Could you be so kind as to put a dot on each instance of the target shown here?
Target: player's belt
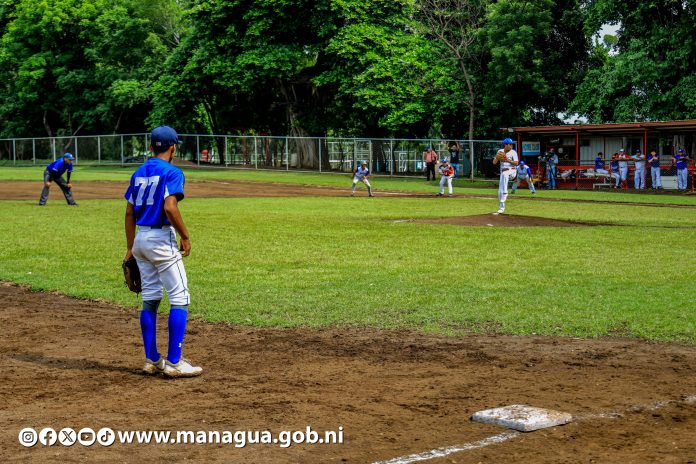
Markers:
(153, 227)
(508, 169)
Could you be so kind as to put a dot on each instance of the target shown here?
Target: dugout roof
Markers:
(617, 129)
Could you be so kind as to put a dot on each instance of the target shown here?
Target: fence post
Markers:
(287, 154)
(98, 150)
(145, 146)
(33, 151)
(198, 150)
(227, 153)
(53, 147)
(471, 158)
(122, 159)
(355, 154)
(391, 158)
(77, 159)
(319, 142)
(256, 153)
(14, 151)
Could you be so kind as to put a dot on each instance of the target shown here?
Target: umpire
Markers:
(54, 173)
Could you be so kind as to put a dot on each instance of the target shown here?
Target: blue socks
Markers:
(177, 329)
(148, 326)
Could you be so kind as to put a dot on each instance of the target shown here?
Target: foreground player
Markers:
(153, 195)
(54, 173)
(507, 157)
(360, 175)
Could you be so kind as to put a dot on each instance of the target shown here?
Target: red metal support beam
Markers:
(577, 159)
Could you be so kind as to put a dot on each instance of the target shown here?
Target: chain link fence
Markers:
(395, 157)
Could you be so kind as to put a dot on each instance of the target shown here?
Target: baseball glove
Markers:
(132, 275)
(500, 156)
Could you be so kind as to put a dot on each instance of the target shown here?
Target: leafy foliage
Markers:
(650, 77)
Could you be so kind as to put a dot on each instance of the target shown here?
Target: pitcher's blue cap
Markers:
(681, 150)
(508, 141)
(164, 137)
(69, 156)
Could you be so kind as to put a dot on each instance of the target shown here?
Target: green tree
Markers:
(538, 55)
(72, 66)
(649, 75)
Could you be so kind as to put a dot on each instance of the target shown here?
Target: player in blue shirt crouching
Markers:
(54, 173)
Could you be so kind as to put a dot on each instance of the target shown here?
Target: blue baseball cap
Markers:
(521, 163)
(69, 156)
(508, 141)
(681, 150)
(638, 150)
(164, 137)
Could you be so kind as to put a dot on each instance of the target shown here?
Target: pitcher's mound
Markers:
(506, 220)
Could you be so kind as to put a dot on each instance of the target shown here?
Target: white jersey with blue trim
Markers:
(524, 171)
(509, 156)
(149, 186)
(361, 172)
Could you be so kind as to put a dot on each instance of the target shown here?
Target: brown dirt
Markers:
(505, 220)
(74, 363)
(93, 190)
(26, 190)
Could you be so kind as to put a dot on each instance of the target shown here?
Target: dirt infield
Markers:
(75, 363)
(25, 190)
(93, 190)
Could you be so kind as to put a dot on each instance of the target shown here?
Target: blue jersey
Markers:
(681, 161)
(614, 165)
(149, 186)
(59, 167)
(599, 163)
(654, 161)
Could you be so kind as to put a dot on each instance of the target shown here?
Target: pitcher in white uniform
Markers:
(507, 157)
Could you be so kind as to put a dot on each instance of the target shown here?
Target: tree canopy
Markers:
(374, 68)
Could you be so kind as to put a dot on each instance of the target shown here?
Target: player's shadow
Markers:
(72, 364)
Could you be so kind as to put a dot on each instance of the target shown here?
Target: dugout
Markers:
(578, 145)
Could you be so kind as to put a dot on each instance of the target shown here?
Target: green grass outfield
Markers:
(319, 261)
(415, 184)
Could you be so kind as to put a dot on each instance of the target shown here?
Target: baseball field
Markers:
(390, 319)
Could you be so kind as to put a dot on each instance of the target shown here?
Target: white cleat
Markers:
(181, 369)
(153, 367)
(499, 212)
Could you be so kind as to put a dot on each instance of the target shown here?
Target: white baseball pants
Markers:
(159, 261)
(505, 177)
(447, 179)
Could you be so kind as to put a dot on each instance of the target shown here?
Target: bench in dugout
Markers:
(601, 179)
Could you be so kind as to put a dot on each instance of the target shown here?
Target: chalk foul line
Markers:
(442, 452)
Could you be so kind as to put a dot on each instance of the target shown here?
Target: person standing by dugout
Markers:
(430, 157)
(655, 174)
(681, 160)
(54, 173)
(639, 174)
(623, 168)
